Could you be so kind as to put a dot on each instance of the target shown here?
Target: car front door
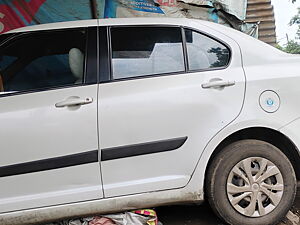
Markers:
(48, 117)
(172, 90)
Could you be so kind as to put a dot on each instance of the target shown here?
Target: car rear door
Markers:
(48, 116)
(170, 90)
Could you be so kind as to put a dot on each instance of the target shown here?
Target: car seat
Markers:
(76, 62)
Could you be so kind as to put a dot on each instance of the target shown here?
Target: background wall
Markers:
(19, 13)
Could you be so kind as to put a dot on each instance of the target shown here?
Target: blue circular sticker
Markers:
(270, 102)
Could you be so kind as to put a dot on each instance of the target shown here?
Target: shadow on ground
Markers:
(188, 215)
(203, 215)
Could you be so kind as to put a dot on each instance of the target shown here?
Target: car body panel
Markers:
(42, 131)
(291, 130)
(175, 176)
(161, 108)
(170, 113)
(54, 26)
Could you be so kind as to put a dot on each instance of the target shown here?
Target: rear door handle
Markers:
(74, 101)
(218, 84)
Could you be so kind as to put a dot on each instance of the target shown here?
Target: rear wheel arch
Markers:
(279, 140)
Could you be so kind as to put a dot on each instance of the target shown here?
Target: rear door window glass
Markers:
(204, 52)
(140, 51)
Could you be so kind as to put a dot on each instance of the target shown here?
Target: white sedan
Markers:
(103, 116)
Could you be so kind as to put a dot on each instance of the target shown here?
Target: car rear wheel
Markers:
(251, 182)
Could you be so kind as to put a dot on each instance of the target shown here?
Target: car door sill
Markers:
(102, 206)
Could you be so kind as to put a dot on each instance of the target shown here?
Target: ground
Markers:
(203, 215)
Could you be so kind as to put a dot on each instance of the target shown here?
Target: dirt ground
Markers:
(203, 215)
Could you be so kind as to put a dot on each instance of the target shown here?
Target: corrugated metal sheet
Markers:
(262, 11)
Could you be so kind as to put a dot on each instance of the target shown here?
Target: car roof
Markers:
(106, 22)
(60, 25)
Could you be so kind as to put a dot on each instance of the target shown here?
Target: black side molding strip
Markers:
(49, 164)
(142, 149)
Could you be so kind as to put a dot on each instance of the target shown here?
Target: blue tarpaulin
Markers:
(19, 13)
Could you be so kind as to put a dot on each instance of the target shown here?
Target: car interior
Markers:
(50, 60)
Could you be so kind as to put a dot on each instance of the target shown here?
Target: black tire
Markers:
(226, 160)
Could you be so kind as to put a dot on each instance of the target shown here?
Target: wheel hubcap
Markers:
(255, 187)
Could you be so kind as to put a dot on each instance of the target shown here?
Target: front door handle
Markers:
(74, 101)
(218, 84)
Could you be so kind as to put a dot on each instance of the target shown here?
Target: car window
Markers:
(204, 52)
(7, 60)
(140, 51)
(40, 60)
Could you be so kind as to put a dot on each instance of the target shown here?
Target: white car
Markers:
(102, 116)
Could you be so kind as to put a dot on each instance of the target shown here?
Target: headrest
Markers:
(76, 61)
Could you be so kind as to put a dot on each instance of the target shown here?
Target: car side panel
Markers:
(34, 129)
(159, 108)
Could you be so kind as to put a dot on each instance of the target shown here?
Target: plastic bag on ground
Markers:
(101, 221)
(139, 217)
